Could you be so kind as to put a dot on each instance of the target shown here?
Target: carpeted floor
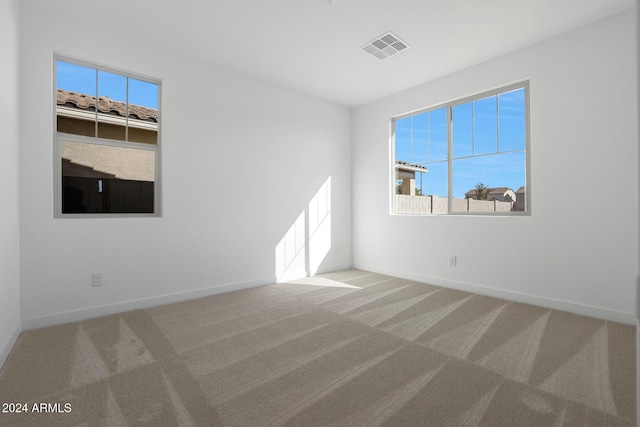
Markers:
(344, 349)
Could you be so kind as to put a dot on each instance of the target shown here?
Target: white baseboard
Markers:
(334, 268)
(581, 309)
(7, 346)
(299, 274)
(104, 310)
(121, 307)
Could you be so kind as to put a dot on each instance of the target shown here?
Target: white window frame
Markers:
(59, 137)
(449, 106)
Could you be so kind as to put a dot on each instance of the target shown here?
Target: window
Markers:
(466, 156)
(107, 142)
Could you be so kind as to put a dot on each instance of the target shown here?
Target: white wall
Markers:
(584, 142)
(241, 160)
(9, 219)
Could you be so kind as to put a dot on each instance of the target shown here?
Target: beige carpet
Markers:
(345, 349)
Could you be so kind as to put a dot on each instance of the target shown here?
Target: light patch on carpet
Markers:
(260, 381)
(379, 412)
(375, 316)
(411, 329)
(330, 388)
(322, 282)
(536, 402)
(129, 352)
(473, 415)
(86, 363)
(115, 417)
(350, 305)
(585, 377)
(200, 368)
(326, 295)
(181, 412)
(461, 340)
(515, 358)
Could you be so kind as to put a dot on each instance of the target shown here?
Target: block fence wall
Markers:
(439, 205)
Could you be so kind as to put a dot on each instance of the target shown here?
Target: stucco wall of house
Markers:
(9, 144)
(241, 160)
(584, 112)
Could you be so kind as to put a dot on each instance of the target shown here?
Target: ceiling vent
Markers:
(385, 46)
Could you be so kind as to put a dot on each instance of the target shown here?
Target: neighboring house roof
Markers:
(521, 190)
(409, 167)
(105, 105)
(472, 193)
(494, 191)
(499, 190)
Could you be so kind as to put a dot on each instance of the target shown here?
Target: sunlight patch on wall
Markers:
(307, 242)
(290, 251)
(319, 226)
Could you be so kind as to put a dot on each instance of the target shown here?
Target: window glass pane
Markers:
(106, 179)
(143, 111)
(436, 181)
(419, 180)
(76, 78)
(462, 122)
(112, 105)
(499, 177)
(102, 173)
(403, 139)
(419, 148)
(430, 194)
(485, 138)
(481, 145)
(75, 99)
(511, 127)
(438, 146)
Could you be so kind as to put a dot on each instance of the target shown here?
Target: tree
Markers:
(399, 190)
(482, 191)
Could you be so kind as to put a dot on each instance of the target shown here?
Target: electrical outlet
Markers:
(96, 279)
(453, 261)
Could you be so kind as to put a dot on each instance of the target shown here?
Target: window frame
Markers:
(59, 137)
(449, 105)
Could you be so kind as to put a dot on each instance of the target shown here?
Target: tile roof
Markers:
(410, 166)
(105, 105)
(499, 190)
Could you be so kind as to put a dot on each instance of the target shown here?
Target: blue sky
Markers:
(488, 144)
(77, 78)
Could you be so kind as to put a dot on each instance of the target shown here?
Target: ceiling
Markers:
(313, 46)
